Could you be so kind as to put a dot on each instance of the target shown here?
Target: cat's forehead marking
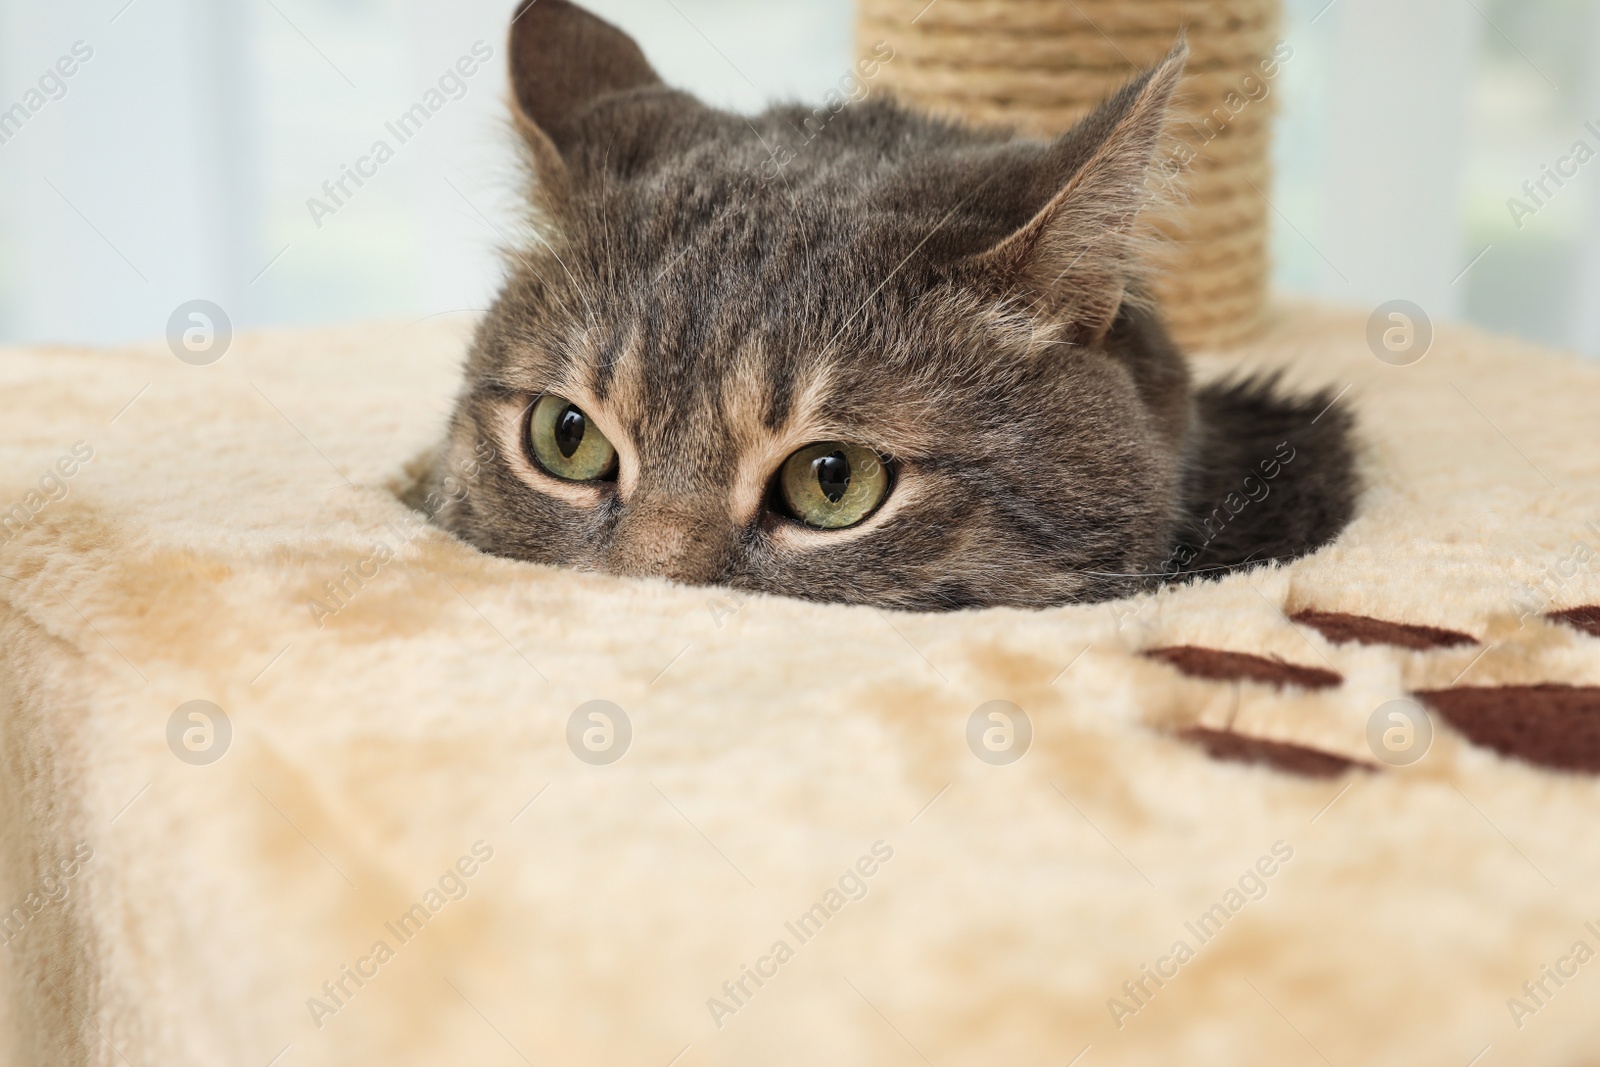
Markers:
(602, 350)
(700, 421)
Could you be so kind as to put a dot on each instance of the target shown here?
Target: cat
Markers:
(913, 366)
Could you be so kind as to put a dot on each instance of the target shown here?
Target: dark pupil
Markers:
(833, 474)
(570, 426)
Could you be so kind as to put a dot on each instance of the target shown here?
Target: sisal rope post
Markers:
(1040, 65)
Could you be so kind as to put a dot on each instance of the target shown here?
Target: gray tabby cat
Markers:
(912, 366)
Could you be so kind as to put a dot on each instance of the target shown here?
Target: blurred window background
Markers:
(1427, 150)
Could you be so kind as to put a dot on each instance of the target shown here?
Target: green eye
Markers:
(567, 444)
(833, 485)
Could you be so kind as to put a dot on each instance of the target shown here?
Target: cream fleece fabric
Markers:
(798, 859)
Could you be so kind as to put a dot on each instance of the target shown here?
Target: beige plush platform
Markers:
(413, 749)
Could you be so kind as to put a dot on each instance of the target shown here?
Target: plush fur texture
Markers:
(774, 741)
(963, 302)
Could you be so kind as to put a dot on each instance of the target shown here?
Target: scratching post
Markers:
(1040, 65)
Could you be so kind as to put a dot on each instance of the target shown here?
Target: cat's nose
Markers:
(674, 539)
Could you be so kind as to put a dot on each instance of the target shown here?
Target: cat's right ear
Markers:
(563, 60)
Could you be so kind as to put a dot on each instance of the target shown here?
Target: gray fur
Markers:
(963, 301)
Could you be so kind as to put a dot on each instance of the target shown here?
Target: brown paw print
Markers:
(1219, 666)
(1586, 619)
(1342, 629)
(1225, 745)
(1230, 747)
(1556, 726)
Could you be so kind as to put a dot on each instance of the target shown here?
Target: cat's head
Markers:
(848, 354)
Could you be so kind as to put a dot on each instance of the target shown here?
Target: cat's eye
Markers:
(567, 443)
(832, 485)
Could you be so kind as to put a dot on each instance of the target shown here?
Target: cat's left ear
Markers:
(1076, 255)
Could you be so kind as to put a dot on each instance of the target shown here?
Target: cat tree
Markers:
(1196, 729)
(1040, 65)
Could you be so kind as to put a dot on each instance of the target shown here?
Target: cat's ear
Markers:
(563, 59)
(1076, 256)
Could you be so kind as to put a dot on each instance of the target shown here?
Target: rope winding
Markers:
(1039, 66)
